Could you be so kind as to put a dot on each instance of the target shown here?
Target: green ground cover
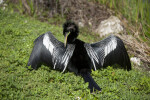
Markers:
(17, 34)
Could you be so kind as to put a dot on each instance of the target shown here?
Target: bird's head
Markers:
(70, 32)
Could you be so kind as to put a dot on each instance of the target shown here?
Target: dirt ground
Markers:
(88, 13)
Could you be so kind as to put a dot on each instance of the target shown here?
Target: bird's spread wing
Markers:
(107, 52)
(49, 50)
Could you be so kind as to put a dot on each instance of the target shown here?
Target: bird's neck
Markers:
(72, 37)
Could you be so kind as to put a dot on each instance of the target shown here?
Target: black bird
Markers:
(78, 56)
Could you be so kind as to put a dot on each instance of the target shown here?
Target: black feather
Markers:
(92, 84)
(78, 56)
(108, 52)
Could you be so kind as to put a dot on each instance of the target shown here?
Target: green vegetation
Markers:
(137, 12)
(17, 34)
(134, 13)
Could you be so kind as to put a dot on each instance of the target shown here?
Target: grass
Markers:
(137, 13)
(17, 34)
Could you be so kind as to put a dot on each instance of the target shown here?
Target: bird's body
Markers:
(83, 61)
(78, 56)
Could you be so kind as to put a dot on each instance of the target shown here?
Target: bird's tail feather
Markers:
(92, 84)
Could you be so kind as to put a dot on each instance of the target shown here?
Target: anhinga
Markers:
(78, 56)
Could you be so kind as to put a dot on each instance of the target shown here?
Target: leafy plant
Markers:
(17, 34)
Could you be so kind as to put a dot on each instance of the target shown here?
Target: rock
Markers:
(1, 1)
(136, 60)
(81, 24)
(112, 25)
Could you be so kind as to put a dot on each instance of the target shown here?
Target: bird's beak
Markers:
(66, 36)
